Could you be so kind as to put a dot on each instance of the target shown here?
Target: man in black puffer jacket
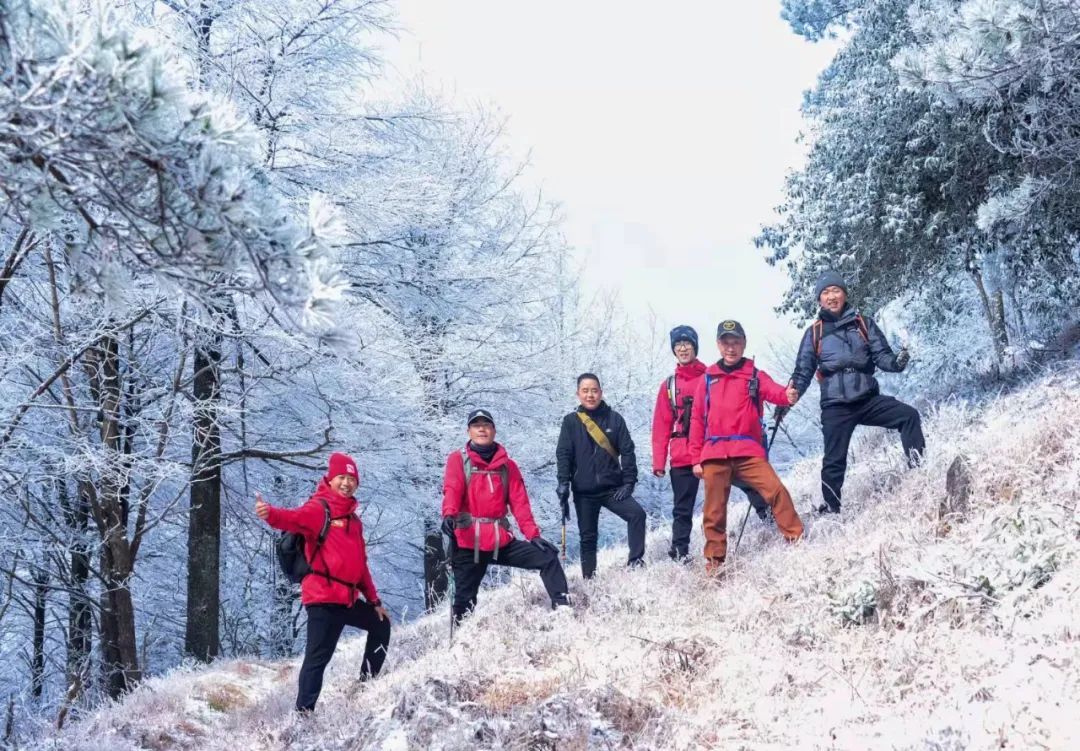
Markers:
(595, 458)
(843, 349)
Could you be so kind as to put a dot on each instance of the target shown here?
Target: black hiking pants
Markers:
(684, 488)
(324, 626)
(588, 516)
(838, 423)
(517, 554)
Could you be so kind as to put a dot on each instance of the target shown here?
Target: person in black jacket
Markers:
(843, 349)
(595, 457)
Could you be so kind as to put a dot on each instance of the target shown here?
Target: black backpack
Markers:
(290, 550)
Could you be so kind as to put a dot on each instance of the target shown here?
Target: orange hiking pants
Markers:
(758, 474)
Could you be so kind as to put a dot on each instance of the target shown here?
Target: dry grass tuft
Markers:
(226, 697)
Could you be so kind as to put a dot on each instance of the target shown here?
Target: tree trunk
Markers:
(993, 309)
(201, 635)
(436, 582)
(37, 662)
(80, 620)
(119, 645)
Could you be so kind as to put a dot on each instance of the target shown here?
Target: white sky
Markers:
(664, 130)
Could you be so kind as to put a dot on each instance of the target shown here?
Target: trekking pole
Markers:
(450, 584)
(739, 538)
(778, 416)
(450, 596)
(564, 539)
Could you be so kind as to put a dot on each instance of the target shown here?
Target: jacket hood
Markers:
(747, 369)
(500, 458)
(339, 504)
(693, 369)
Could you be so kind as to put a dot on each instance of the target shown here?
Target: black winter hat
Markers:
(684, 334)
(829, 279)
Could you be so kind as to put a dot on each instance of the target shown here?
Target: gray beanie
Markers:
(828, 279)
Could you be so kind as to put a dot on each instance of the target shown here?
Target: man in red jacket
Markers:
(339, 575)
(480, 485)
(671, 433)
(725, 440)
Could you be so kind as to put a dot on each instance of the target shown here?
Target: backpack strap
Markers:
(466, 519)
(503, 472)
(818, 330)
(754, 389)
(708, 389)
(671, 394)
(864, 330)
(323, 532)
(597, 434)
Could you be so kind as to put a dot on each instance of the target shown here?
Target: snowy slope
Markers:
(891, 630)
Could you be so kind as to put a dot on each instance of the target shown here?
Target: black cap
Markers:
(480, 414)
(730, 328)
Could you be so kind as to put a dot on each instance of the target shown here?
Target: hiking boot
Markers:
(636, 563)
(827, 508)
(766, 517)
(714, 568)
(680, 556)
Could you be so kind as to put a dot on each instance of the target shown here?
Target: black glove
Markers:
(902, 358)
(624, 492)
(563, 491)
(544, 545)
(448, 526)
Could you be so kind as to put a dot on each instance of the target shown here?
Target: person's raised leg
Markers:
(631, 512)
(761, 476)
(887, 412)
(526, 555)
(362, 615)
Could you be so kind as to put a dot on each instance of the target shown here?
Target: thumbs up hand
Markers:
(262, 508)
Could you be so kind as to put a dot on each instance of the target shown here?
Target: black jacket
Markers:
(589, 469)
(847, 360)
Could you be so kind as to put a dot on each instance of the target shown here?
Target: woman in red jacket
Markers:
(339, 575)
(726, 440)
(480, 486)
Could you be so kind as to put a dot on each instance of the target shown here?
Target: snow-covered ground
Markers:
(891, 629)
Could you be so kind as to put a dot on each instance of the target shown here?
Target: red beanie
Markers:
(342, 464)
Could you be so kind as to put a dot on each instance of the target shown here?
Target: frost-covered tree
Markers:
(1016, 65)
(894, 192)
(140, 195)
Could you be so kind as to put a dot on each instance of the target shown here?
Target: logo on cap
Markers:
(350, 470)
(729, 325)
